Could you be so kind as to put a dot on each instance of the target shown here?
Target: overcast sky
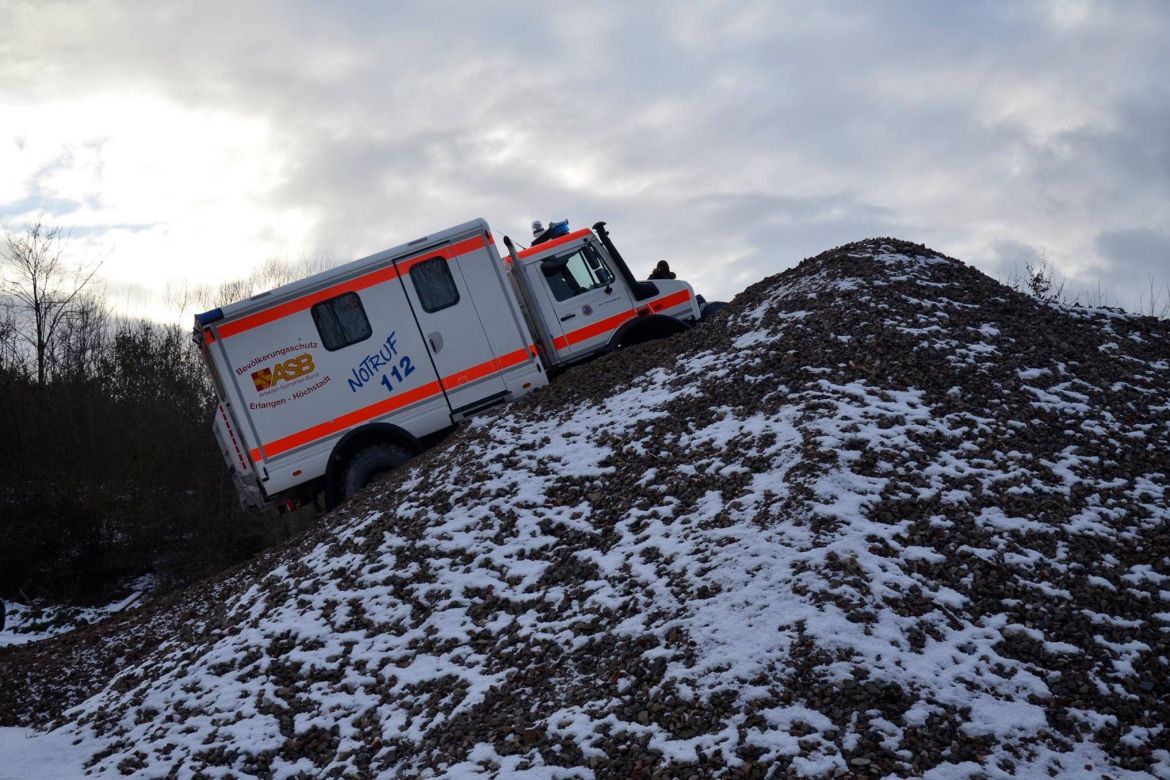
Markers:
(189, 142)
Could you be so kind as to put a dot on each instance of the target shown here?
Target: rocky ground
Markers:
(885, 517)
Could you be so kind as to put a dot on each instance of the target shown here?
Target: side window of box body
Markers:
(341, 321)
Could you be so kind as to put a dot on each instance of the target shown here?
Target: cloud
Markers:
(731, 140)
(1138, 251)
(1012, 259)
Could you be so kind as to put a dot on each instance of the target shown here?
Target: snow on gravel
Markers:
(31, 623)
(885, 518)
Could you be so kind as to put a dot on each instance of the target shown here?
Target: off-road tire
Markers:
(368, 464)
(659, 328)
(711, 309)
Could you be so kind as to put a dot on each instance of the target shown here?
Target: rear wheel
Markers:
(368, 464)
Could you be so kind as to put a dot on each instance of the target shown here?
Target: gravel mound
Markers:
(882, 517)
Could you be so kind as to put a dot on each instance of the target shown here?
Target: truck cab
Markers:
(583, 299)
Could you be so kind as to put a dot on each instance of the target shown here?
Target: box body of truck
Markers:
(403, 343)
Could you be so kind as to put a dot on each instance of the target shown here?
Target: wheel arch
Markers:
(646, 328)
(359, 438)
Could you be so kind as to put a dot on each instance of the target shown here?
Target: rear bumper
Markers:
(251, 497)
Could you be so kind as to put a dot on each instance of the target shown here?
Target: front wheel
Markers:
(710, 309)
(368, 464)
(643, 329)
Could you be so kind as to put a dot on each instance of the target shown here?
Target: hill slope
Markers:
(885, 517)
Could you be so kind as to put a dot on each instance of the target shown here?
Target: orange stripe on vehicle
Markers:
(300, 304)
(517, 357)
(390, 404)
(453, 381)
(596, 329)
(666, 302)
(320, 431)
(493, 366)
(532, 250)
(612, 323)
(466, 246)
(360, 283)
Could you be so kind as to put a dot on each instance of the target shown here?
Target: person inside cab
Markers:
(662, 271)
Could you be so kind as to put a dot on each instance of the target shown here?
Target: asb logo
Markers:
(267, 378)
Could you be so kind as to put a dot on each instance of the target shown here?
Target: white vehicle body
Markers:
(574, 318)
(403, 344)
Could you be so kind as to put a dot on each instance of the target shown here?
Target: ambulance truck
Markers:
(328, 382)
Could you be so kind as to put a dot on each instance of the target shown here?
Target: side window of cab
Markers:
(576, 272)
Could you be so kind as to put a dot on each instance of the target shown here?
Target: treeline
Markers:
(108, 468)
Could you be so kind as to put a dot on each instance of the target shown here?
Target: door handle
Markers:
(568, 317)
(436, 341)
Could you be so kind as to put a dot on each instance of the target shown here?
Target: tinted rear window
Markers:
(434, 284)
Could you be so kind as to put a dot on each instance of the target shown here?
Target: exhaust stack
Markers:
(641, 290)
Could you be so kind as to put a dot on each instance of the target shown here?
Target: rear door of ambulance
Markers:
(230, 427)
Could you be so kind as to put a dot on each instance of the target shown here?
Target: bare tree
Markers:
(1095, 294)
(1040, 280)
(272, 273)
(1153, 303)
(9, 342)
(41, 286)
(83, 338)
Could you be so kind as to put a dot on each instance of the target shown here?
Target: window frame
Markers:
(326, 305)
(584, 252)
(450, 277)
